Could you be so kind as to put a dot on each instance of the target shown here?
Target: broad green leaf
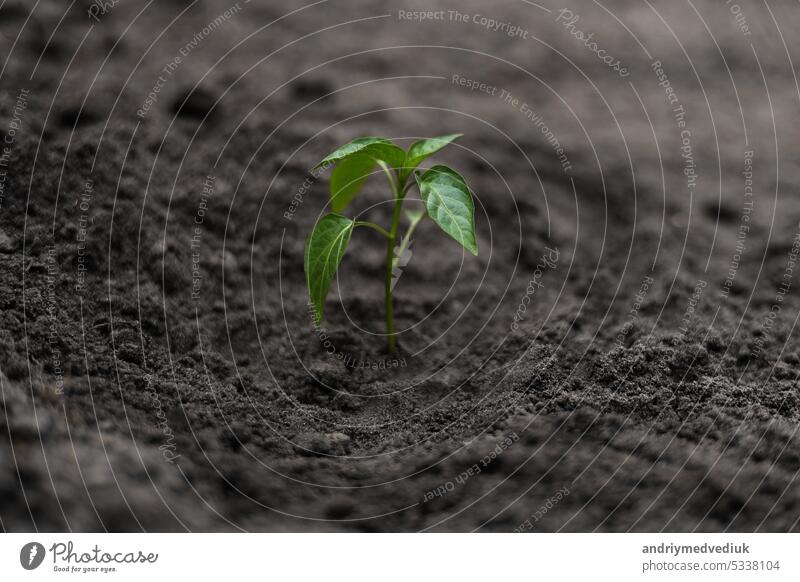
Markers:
(373, 147)
(324, 251)
(424, 148)
(449, 204)
(347, 178)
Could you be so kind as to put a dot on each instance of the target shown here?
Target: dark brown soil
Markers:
(158, 364)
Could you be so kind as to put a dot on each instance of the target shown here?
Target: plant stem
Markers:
(374, 226)
(407, 237)
(389, 176)
(399, 192)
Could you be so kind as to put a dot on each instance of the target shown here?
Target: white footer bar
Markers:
(401, 557)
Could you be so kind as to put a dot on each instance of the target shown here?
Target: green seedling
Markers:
(445, 195)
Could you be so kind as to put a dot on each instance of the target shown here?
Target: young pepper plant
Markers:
(446, 197)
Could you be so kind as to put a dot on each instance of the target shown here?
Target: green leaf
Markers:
(324, 251)
(425, 148)
(449, 204)
(347, 179)
(376, 148)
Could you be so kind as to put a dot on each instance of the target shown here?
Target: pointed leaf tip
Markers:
(424, 148)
